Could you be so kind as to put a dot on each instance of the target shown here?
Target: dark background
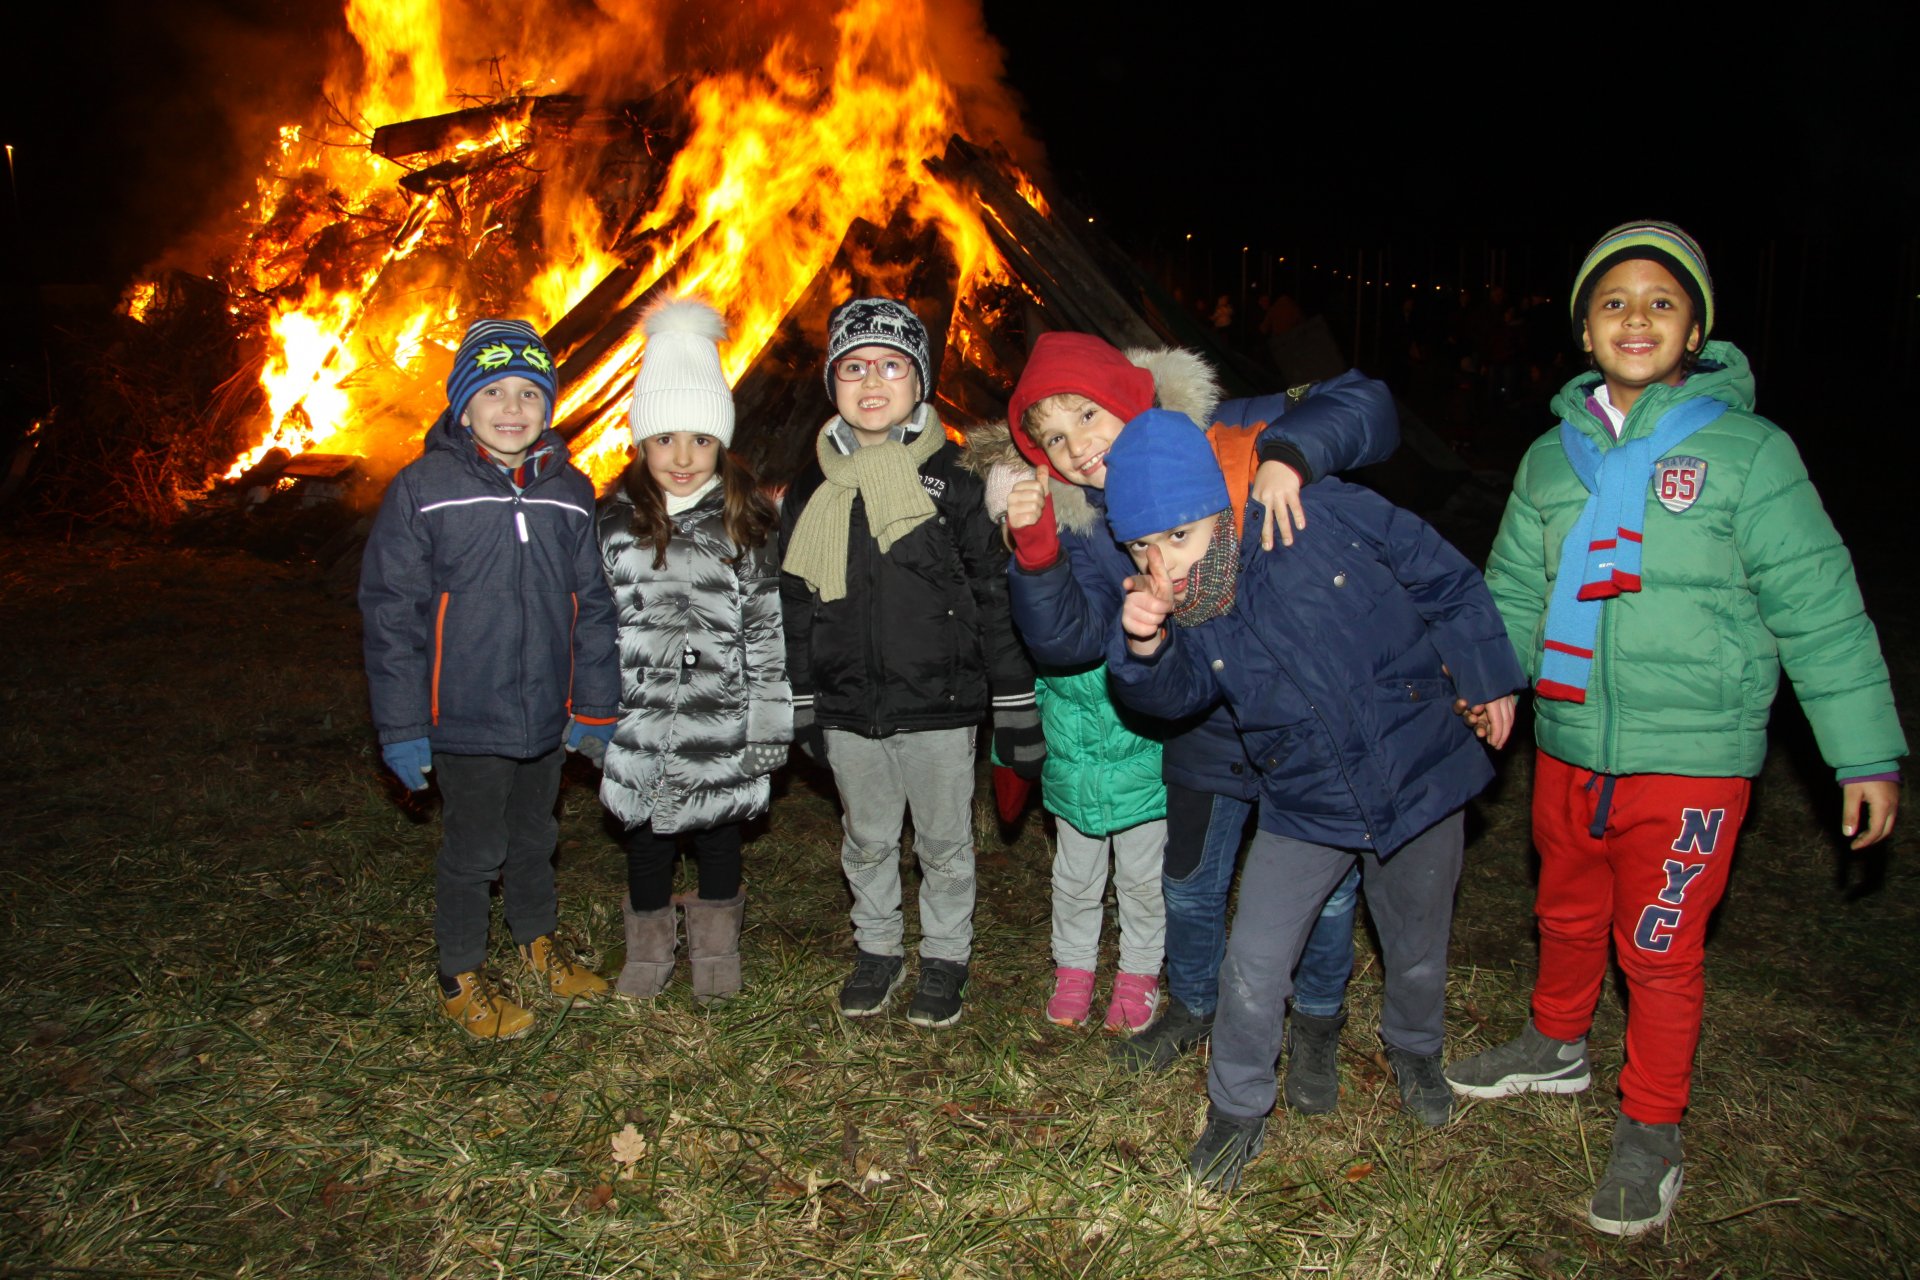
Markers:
(1467, 152)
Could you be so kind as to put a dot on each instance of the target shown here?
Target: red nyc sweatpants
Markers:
(1643, 858)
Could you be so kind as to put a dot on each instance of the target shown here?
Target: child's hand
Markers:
(1149, 600)
(1882, 802)
(1276, 487)
(411, 762)
(1030, 523)
(1490, 721)
(1027, 500)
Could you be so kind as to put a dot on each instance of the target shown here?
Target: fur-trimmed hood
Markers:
(1002, 456)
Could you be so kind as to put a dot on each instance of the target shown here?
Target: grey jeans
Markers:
(1409, 896)
(497, 822)
(880, 780)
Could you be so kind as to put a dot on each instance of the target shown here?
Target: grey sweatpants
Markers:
(497, 822)
(1284, 884)
(880, 780)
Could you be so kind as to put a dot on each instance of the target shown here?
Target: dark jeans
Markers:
(497, 823)
(1203, 846)
(651, 857)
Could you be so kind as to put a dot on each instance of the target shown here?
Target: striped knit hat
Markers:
(1660, 242)
(496, 349)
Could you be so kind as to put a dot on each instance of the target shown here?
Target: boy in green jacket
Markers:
(1663, 556)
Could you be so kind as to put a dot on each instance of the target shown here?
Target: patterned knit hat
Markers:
(1660, 242)
(496, 349)
(1161, 474)
(1082, 365)
(879, 322)
(680, 386)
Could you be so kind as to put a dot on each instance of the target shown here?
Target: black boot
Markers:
(1313, 1063)
(1156, 1048)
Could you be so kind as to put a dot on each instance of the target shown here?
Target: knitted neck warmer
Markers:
(677, 504)
(1210, 583)
(886, 478)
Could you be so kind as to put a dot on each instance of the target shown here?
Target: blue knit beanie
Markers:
(1161, 474)
(496, 349)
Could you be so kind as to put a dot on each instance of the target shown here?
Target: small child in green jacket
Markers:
(1662, 558)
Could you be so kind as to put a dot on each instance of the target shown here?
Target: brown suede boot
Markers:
(565, 976)
(651, 938)
(713, 944)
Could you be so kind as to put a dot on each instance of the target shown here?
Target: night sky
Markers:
(1321, 135)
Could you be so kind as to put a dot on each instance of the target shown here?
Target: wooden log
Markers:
(590, 361)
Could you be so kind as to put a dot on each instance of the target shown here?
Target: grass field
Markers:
(220, 1054)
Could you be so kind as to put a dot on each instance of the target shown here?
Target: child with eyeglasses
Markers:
(899, 643)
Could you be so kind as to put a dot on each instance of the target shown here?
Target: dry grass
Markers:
(221, 1055)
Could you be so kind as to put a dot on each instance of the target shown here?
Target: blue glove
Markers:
(590, 740)
(411, 762)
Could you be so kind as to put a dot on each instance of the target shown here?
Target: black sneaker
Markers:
(937, 1002)
(1313, 1063)
(1227, 1145)
(871, 985)
(1178, 1031)
(1423, 1088)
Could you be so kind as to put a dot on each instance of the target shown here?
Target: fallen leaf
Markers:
(601, 1196)
(628, 1146)
(1360, 1171)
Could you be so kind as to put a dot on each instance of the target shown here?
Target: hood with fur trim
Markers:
(1182, 381)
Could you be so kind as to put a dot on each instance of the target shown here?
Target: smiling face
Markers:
(681, 461)
(874, 403)
(507, 417)
(1075, 434)
(1639, 328)
(1181, 548)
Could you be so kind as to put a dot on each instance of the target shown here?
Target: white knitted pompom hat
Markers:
(680, 386)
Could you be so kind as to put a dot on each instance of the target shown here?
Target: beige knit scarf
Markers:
(886, 477)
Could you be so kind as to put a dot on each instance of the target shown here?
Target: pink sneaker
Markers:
(1072, 1001)
(1135, 998)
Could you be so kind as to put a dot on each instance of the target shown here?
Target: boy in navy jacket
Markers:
(489, 636)
(1344, 664)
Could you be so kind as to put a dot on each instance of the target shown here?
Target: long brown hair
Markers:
(747, 515)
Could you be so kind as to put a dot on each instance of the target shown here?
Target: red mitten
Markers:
(1010, 792)
(1038, 545)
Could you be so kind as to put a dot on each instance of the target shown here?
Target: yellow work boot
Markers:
(564, 976)
(482, 1011)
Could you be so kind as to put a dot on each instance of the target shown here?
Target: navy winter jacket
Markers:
(1330, 662)
(1066, 612)
(487, 619)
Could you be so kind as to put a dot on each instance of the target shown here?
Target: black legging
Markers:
(650, 863)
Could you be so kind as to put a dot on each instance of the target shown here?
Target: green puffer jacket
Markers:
(1746, 577)
(1102, 774)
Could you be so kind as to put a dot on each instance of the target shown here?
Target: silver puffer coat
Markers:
(703, 672)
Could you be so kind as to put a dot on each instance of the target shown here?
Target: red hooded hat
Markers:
(1082, 365)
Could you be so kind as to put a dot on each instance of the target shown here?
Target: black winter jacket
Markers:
(923, 638)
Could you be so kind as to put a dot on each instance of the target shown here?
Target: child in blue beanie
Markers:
(1348, 665)
(489, 635)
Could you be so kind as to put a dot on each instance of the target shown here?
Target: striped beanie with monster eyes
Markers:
(496, 349)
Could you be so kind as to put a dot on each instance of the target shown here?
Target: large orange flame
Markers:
(781, 158)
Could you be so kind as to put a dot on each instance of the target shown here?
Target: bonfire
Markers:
(776, 163)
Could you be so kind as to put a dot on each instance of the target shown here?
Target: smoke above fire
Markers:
(464, 159)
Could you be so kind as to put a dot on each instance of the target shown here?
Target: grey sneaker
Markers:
(871, 985)
(1155, 1048)
(1313, 1062)
(1643, 1179)
(1227, 1145)
(937, 1002)
(1529, 1063)
(1423, 1089)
